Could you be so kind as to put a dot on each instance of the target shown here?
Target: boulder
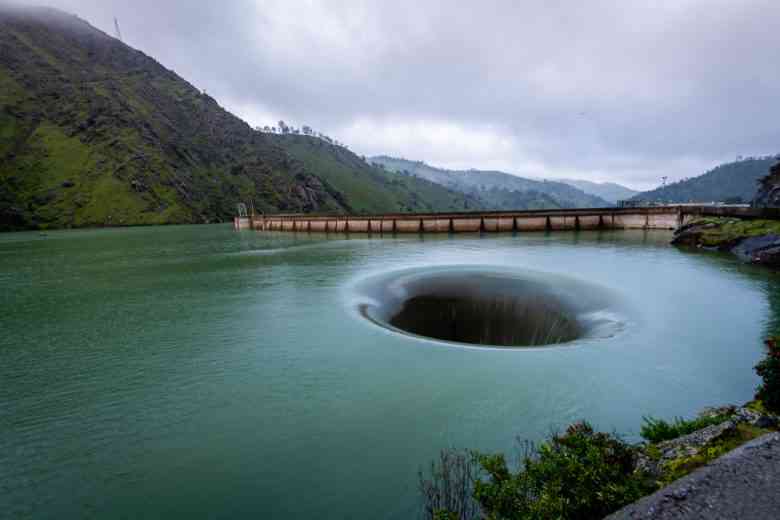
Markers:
(764, 249)
(750, 249)
(755, 418)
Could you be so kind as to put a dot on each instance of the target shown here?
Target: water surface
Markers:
(194, 371)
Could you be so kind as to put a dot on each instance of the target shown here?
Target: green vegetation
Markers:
(584, 474)
(658, 430)
(95, 133)
(769, 370)
(579, 474)
(734, 181)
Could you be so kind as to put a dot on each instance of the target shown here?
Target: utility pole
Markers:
(118, 32)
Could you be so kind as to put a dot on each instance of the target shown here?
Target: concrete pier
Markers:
(656, 217)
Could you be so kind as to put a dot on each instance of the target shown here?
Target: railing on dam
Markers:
(656, 217)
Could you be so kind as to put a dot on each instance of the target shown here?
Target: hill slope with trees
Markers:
(95, 133)
(367, 187)
(609, 191)
(492, 186)
(730, 182)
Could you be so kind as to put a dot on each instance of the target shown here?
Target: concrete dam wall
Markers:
(655, 217)
(666, 217)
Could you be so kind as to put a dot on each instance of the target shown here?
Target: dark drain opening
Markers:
(522, 320)
(490, 306)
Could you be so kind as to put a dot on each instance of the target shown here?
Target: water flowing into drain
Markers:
(486, 306)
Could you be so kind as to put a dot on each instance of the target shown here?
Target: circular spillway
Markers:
(490, 307)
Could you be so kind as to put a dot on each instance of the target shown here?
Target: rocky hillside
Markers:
(535, 193)
(731, 182)
(94, 132)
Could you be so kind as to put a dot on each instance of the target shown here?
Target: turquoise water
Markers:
(180, 372)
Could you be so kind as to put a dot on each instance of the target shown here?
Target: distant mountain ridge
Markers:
(609, 191)
(495, 187)
(729, 182)
(96, 133)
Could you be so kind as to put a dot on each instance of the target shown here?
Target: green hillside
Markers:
(96, 133)
(730, 182)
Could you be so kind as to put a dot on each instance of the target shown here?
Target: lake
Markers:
(195, 371)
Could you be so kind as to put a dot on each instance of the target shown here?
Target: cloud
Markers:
(627, 91)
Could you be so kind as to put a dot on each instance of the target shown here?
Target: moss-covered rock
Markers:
(671, 459)
(755, 241)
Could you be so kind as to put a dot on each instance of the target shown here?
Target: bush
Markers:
(448, 490)
(581, 474)
(769, 370)
(657, 430)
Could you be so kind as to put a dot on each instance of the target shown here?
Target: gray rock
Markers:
(690, 444)
(752, 249)
(766, 421)
(755, 418)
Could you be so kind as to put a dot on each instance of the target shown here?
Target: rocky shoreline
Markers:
(752, 241)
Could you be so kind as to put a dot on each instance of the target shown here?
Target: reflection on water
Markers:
(195, 371)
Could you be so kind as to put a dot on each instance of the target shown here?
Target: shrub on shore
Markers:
(659, 430)
(577, 474)
(769, 370)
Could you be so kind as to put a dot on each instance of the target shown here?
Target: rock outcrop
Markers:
(752, 241)
(658, 459)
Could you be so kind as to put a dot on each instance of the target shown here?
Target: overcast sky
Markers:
(596, 90)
